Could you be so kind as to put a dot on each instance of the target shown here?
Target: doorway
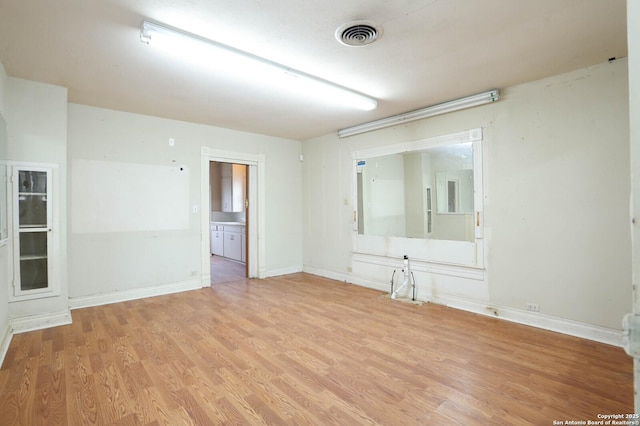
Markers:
(229, 224)
(255, 219)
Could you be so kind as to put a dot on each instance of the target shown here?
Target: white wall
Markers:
(119, 261)
(559, 195)
(3, 83)
(37, 132)
(283, 201)
(556, 185)
(4, 252)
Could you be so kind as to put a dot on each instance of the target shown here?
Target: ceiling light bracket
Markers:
(443, 108)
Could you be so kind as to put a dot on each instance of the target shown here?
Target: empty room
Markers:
(393, 212)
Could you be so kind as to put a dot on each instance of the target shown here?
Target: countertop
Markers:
(229, 223)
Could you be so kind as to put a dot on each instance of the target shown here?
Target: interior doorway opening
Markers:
(255, 219)
(229, 221)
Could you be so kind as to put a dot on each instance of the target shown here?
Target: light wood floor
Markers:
(303, 350)
(224, 270)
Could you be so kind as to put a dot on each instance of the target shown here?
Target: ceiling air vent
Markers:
(358, 33)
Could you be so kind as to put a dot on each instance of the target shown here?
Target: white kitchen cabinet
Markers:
(233, 242)
(233, 178)
(215, 186)
(244, 245)
(35, 236)
(217, 240)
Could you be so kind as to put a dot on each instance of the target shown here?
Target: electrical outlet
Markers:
(533, 307)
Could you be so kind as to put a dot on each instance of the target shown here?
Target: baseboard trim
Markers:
(138, 293)
(40, 321)
(338, 276)
(533, 319)
(283, 271)
(205, 280)
(375, 285)
(5, 342)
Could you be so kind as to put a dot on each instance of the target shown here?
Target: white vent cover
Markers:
(358, 33)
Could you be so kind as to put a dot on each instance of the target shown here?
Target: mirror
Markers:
(396, 193)
(3, 182)
(454, 189)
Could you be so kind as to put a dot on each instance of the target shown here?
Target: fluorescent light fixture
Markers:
(238, 62)
(456, 105)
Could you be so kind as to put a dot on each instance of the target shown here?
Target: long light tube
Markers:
(239, 62)
(443, 108)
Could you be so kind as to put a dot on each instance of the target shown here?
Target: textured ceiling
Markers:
(431, 51)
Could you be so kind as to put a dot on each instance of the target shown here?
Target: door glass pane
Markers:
(33, 273)
(33, 260)
(33, 244)
(33, 211)
(32, 188)
(32, 182)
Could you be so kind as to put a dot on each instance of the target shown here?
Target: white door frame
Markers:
(632, 321)
(256, 219)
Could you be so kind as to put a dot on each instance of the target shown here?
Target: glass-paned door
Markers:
(32, 212)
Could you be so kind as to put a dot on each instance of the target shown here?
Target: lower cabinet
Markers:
(217, 240)
(244, 246)
(233, 242)
(228, 241)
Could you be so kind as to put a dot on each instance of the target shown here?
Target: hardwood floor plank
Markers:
(111, 398)
(10, 411)
(301, 350)
(264, 389)
(50, 401)
(193, 409)
(81, 395)
(161, 410)
(264, 410)
(231, 413)
(304, 399)
(206, 396)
